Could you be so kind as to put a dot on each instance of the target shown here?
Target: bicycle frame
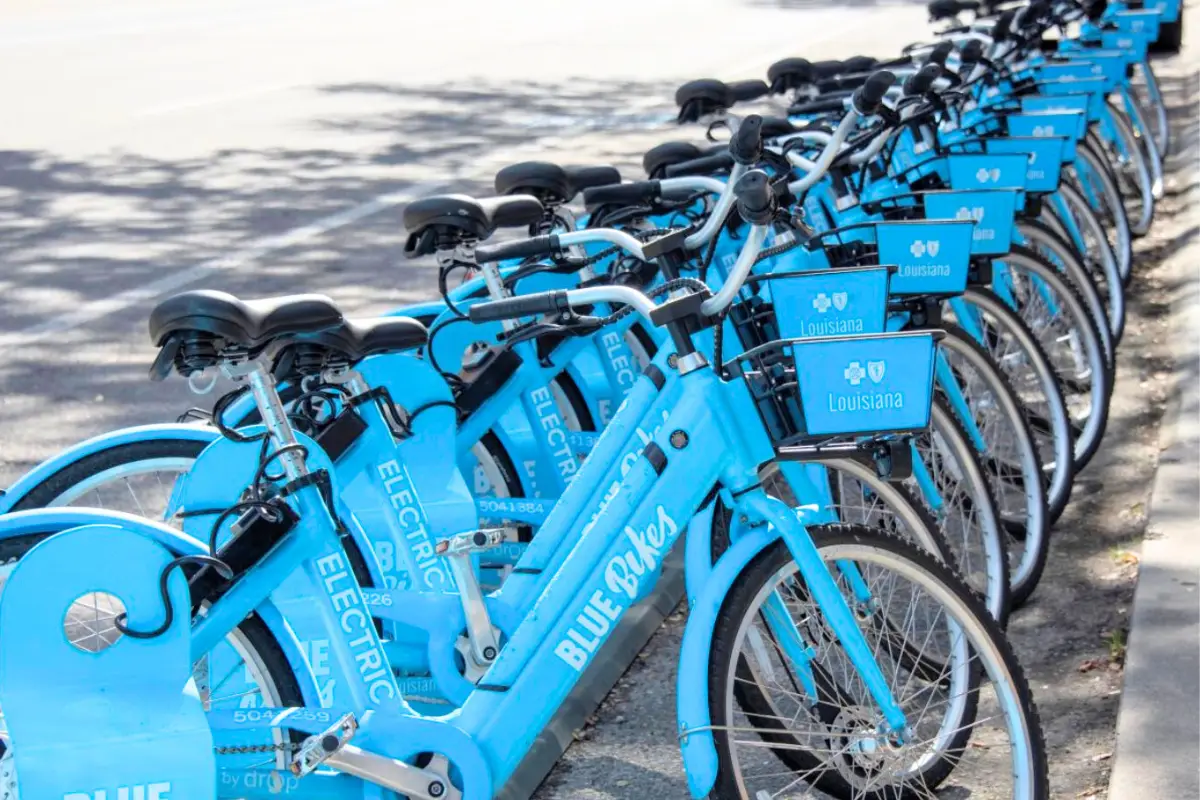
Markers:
(642, 507)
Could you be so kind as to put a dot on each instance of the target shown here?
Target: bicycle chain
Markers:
(233, 750)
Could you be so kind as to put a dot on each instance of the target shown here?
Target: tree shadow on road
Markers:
(75, 231)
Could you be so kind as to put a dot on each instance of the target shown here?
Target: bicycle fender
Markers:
(142, 433)
(42, 520)
(697, 552)
(695, 735)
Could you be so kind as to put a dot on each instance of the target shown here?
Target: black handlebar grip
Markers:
(706, 165)
(745, 91)
(1001, 29)
(755, 197)
(622, 194)
(746, 144)
(823, 106)
(524, 306)
(520, 248)
(922, 80)
(870, 95)
(971, 53)
(941, 52)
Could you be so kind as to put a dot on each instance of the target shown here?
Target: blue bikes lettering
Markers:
(624, 576)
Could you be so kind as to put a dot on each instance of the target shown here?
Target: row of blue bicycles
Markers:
(846, 359)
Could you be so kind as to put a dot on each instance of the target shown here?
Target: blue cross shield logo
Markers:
(854, 373)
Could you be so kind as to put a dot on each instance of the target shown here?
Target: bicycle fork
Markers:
(823, 588)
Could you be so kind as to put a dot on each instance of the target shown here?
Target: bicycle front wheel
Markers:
(1052, 309)
(1015, 350)
(1104, 293)
(1007, 451)
(784, 729)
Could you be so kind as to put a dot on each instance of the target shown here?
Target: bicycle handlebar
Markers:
(521, 248)
(705, 165)
(527, 305)
(746, 145)
(921, 81)
(866, 99)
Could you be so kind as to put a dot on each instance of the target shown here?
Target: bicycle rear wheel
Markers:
(248, 669)
(135, 477)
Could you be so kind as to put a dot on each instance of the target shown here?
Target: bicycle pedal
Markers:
(316, 750)
(471, 542)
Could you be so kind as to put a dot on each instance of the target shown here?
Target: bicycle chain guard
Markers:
(92, 713)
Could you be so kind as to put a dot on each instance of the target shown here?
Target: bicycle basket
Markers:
(932, 257)
(993, 211)
(816, 390)
(829, 302)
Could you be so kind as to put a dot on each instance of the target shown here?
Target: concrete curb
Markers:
(1158, 726)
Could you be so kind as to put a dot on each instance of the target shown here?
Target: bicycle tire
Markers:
(1032, 533)
(739, 608)
(53, 487)
(1112, 208)
(946, 436)
(1048, 416)
(1088, 422)
(905, 507)
(1139, 186)
(1106, 304)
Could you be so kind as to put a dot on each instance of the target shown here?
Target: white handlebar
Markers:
(832, 148)
(746, 258)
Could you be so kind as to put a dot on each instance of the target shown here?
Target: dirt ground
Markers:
(1071, 635)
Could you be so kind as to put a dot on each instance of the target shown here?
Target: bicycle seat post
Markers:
(274, 416)
(563, 220)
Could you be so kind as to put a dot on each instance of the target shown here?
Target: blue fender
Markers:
(697, 552)
(142, 433)
(698, 749)
(46, 520)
